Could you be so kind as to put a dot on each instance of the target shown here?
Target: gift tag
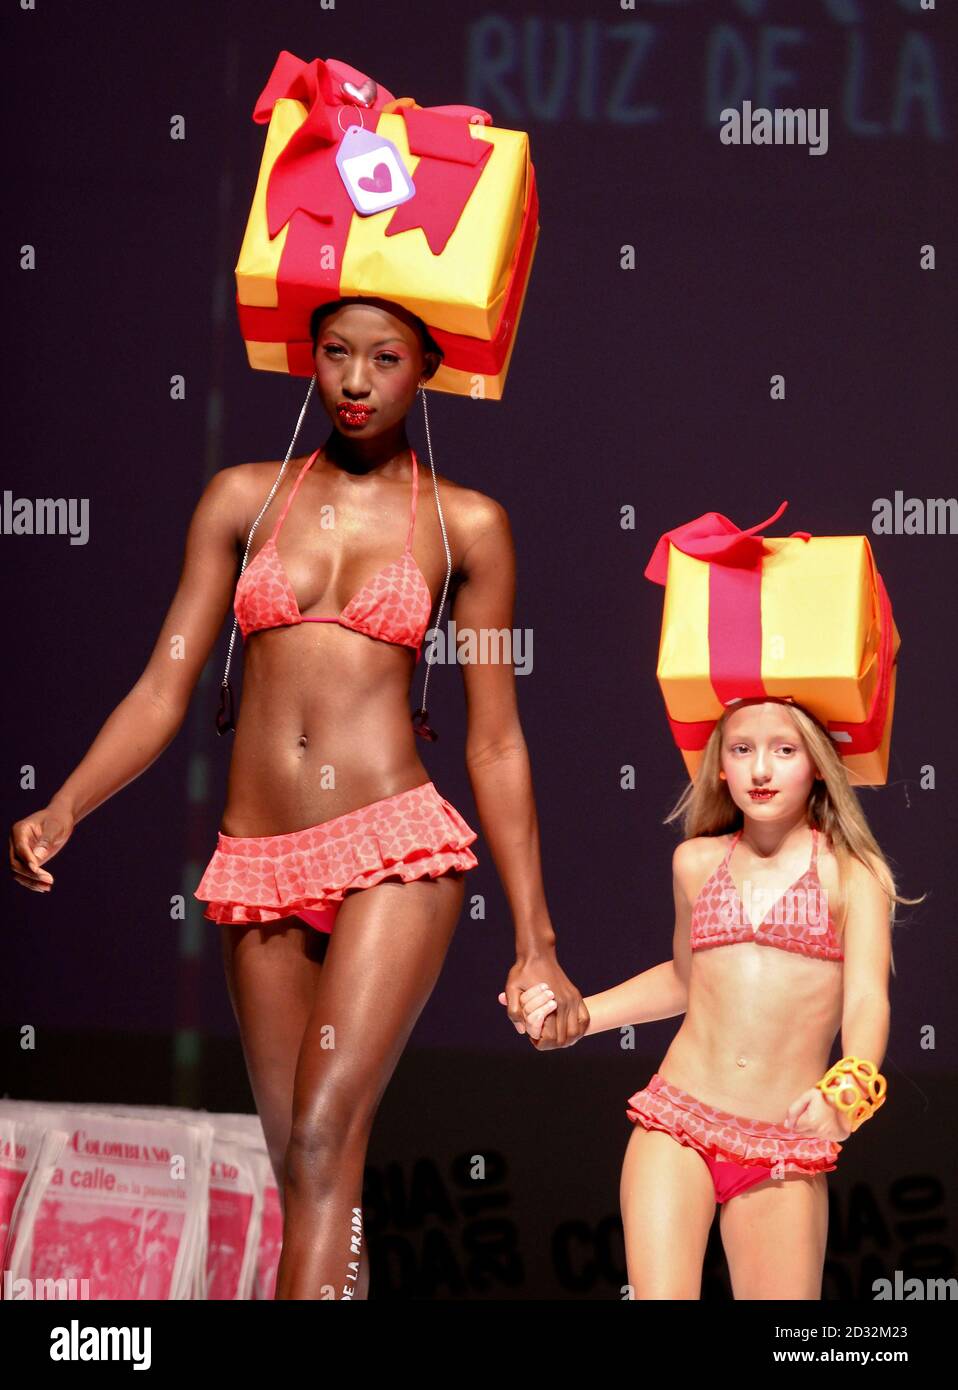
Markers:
(372, 169)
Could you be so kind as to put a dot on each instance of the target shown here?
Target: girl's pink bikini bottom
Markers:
(739, 1151)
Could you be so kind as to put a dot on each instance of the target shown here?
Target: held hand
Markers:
(33, 842)
(812, 1115)
(536, 1004)
(558, 1026)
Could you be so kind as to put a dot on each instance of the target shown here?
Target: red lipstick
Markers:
(762, 794)
(353, 413)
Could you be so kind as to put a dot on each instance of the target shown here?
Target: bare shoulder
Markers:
(860, 873)
(862, 876)
(242, 480)
(254, 480)
(244, 487)
(696, 859)
(221, 500)
(469, 513)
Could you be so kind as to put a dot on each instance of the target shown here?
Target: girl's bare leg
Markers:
(668, 1205)
(774, 1235)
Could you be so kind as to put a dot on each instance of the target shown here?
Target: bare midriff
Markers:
(324, 727)
(758, 1028)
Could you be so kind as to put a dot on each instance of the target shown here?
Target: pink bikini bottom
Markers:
(739, 1151)
(307, 873)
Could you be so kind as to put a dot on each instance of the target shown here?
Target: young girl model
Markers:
(778, 855)
(330, 813)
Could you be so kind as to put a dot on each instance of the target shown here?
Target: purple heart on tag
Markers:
(373, 172)
(381, 181)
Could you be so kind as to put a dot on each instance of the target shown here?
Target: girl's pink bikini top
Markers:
(393, 606)
(800, 920)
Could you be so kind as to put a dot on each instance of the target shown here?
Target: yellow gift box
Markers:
(461, 260)
(801, 617)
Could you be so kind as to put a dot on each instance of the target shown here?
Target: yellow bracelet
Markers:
(855, 1086)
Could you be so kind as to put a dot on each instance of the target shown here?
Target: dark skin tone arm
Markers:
(497, 760)
(148, 718)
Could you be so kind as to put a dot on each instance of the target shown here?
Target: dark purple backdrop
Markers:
(647, 387)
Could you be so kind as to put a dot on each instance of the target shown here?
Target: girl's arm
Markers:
(656, 993)
(662, 991)
(498, 764)
(148, 718)
(865, 1006)
(866, 1010)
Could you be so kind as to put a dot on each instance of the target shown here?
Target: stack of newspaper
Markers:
(135, 1202)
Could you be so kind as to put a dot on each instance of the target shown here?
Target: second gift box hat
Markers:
(798, 617)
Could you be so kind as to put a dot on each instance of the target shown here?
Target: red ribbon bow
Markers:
(713, 537)
(304, 177)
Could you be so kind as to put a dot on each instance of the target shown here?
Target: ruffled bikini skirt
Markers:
(726, 1138)
(307, 873)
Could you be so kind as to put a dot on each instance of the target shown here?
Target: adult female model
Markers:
(330, 811)
(737, 1088)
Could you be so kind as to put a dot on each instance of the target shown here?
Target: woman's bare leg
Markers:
(774, 1235)
(385, 956)
(273, 970)
(668, 1205)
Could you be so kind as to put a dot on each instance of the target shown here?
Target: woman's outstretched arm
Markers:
(497, 760)
(148, 718)
(659, 992)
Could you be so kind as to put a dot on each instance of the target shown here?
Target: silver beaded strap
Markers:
(445, 541)
(272, 494)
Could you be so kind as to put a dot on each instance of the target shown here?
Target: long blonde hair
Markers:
(706, 807)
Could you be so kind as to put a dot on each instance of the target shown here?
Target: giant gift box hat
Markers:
(802, 617)
(453, 239)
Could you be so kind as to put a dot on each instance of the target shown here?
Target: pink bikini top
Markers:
(800, 920)
(393, 606)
